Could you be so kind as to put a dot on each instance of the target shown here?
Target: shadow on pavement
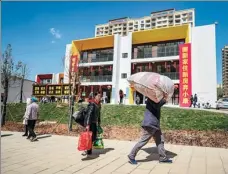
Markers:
(154, 156)
(6, 135)
(97, 153)
(43, 136)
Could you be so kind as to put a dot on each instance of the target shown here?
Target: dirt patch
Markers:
(184, 137)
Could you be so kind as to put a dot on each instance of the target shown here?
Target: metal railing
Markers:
(106, 78)
(100, 59)
(167, 51)
(171, 75)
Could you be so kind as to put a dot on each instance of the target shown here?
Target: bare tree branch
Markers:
(9, 73)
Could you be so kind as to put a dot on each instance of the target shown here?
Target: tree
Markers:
(23, 74)
(219, 92)
(9, 75)
(74, 79)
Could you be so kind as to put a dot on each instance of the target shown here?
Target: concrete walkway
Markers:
(59, 154)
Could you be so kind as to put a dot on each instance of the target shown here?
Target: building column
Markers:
(131, 98)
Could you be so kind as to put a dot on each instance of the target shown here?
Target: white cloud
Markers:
(55, 33)
(52, 41)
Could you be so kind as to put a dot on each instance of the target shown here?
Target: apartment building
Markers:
(179, 52)
(45, 79)
(225, 70)
(159, 19)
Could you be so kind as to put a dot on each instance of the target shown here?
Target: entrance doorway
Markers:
(175, 97)
(142, 98)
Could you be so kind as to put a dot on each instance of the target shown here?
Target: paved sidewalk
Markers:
(58, 154)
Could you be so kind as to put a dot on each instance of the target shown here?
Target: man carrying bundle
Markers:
(151, 128)
(158, 89)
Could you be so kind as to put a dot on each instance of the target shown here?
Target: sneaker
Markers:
(165, 160)
(24, 135)
(84, 153)
(132, 161)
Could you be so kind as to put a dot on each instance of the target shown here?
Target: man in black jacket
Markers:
(151, 128)
(92, 118)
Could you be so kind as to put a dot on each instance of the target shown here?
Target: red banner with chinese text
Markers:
(74, 63)
(185, 75)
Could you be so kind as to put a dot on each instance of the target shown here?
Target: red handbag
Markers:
(85, 141)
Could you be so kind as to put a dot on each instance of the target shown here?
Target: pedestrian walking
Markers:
(191, 100)
(92, 118)
(31, 116)
(137, 100)
(25, 121)
(195, 100)
(121, 94)
(151, 128)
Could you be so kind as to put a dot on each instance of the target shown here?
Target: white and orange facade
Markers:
(185, 53)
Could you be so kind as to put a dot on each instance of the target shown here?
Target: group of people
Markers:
(30, 118)
(193, 100)
(150, 125)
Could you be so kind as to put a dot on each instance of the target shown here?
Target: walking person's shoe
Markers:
(84, 153)
(132, 161)
(24, 135)
(165, 160)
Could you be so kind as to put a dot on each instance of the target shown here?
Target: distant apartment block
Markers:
(159, 19)
(225, 70)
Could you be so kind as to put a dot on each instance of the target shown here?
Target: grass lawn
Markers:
(123, 115)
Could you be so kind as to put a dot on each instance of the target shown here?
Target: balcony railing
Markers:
(106, 78)
(159, 52)
(171, 75)
(100, 59)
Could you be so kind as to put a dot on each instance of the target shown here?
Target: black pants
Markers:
(121, 100)
(26, 129)
(93, 128)
(31, 126)
(194, 104)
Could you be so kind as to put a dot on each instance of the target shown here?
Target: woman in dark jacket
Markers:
(92, 119)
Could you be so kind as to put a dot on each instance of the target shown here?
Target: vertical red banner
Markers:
(185, 87)
(74, 63)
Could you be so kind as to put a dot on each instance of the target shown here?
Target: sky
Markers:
(39, 31)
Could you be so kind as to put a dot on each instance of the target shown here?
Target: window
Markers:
(124, 75)
(124, 55)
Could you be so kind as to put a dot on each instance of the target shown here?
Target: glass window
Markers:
(156, 49)
(124, 75)
(124, 55)
(140, 52)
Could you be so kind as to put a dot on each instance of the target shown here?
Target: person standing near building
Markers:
(31, 116)
(25, 121)
(151, 128)
(121, 94)
(92, 118)
(137, 100)
(195, 100)
(191, 100)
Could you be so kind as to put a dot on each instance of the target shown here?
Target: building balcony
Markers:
(171, 75)
(156, 50)
(94, 60)
(158, 54)
(105, 78)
